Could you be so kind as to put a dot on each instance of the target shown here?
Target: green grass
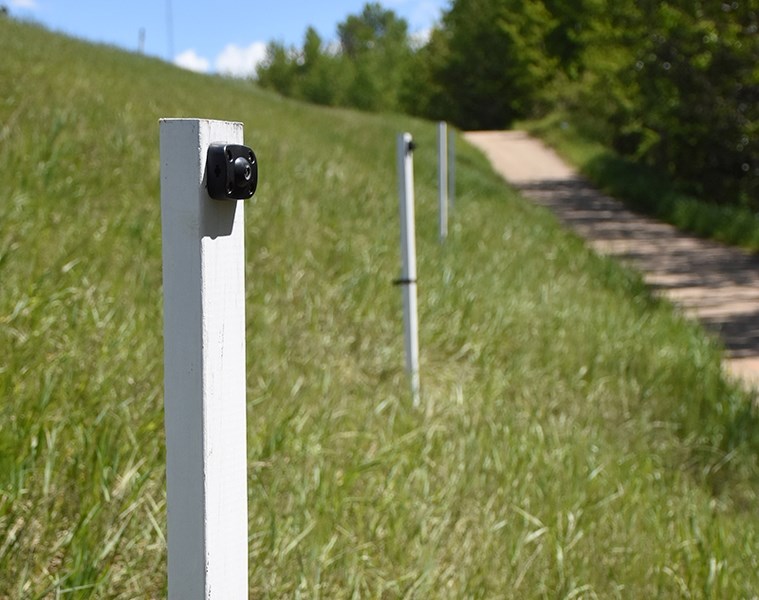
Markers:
(645, 189)
(577, 437)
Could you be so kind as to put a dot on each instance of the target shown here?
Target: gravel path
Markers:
(711, 282)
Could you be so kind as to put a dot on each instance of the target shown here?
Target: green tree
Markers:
(422, 90)
(278, 69)
(376, 43)
(676, 84)
(368, 72)
(317, 71)
(699, 94)
(498, 63)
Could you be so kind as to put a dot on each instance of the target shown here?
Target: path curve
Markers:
(716, 284)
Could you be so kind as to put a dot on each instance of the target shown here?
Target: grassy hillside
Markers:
(577, 438)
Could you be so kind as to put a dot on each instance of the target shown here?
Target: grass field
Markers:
(577, 438)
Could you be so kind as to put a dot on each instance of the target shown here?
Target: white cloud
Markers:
(31, 4)
(240, 62)
(420, 38)
(189, 59)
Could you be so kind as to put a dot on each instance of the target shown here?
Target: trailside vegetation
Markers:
(671, 85)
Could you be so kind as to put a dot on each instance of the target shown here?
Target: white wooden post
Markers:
(442, 178)
(451, 168)
(408, 260)
(204, 369)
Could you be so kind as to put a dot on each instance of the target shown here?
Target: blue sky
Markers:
(205, 35)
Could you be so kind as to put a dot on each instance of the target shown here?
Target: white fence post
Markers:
(408, 260)
(442, 177)
(204, 375)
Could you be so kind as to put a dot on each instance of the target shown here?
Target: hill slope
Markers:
(577, 437)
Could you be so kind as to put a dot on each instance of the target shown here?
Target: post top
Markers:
(196, 120)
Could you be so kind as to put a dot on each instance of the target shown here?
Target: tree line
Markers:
(672, 84)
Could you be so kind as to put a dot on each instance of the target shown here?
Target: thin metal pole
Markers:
(451, 168)
(408, 260)
(442, 178)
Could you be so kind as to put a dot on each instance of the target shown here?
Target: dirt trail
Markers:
(714, 283)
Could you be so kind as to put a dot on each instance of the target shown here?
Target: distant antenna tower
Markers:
(141, 42)
(170, 29)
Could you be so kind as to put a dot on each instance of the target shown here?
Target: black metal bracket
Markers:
(231, 172)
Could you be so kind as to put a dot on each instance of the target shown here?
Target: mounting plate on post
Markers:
(231, 172)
